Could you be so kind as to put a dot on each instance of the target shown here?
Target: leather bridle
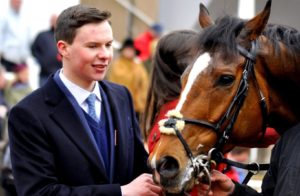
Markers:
(224, 126)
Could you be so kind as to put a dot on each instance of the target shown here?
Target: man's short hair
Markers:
(75, 17)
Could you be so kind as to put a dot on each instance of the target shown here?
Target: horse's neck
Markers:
(284, 64)
(282, 72)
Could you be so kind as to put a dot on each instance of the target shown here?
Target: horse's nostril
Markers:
(168, 167)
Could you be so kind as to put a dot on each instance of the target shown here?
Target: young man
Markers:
(62, 143)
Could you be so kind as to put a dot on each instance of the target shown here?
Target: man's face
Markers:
(86, 60)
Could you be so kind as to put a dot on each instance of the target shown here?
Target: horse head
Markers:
(229, 94)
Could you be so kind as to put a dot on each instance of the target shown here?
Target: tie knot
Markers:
(91, 106)
(91, 99)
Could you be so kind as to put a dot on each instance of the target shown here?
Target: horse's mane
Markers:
(222, 36)
(287, 35)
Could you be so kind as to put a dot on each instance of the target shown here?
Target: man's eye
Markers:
(109, 45)
(92, 46)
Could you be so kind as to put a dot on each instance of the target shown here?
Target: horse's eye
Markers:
(226, 80)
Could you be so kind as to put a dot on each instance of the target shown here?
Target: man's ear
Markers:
(62, 47)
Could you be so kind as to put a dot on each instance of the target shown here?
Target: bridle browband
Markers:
(224, 130)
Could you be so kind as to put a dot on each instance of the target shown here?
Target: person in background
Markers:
(15, 90)
(127, 70)
(78, 134)
(143, 41)
(3, 107)
(173, 54)
(6, 178)
(4, 111)
(146, 43)
(15, 37)
(45, 51)
(19, 87)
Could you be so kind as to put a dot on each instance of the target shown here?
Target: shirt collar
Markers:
(79, 93)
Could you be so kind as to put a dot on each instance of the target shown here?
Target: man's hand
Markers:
(221, 185)
(143, 185)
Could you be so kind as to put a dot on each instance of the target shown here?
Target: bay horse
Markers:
(245, 78)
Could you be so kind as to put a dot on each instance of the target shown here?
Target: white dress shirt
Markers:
(81, 94)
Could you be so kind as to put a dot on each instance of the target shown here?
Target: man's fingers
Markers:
(152, 186)
(202, 189)
(155, 188)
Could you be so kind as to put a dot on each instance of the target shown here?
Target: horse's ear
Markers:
(204, 17)
(254, 27)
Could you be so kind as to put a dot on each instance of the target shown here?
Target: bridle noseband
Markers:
(224, 130)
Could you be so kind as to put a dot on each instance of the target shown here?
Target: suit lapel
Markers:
(118, 111)
(74, 125)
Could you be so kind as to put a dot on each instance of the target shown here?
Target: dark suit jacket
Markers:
(52, 154)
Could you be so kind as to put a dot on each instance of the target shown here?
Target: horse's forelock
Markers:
(221, 37)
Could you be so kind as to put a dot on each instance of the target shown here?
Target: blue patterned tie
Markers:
(91, 106)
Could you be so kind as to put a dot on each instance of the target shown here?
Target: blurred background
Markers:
(131, 17)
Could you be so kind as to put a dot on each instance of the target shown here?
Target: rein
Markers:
(229, 118)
